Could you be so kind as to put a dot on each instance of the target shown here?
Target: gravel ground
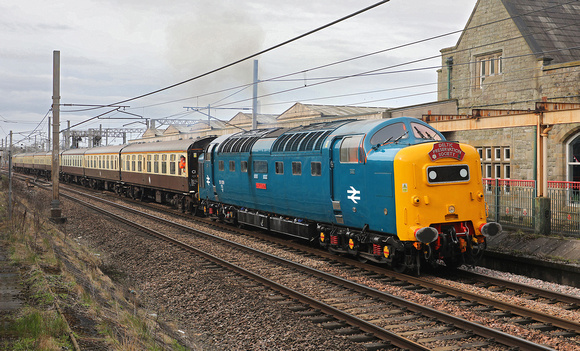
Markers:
(214, 310)
(220, 312)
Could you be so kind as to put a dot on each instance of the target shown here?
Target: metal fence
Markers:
(512, 203)
(565, 202)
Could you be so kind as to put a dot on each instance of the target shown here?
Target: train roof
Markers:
(78, 151)
(112, 149)
(163, 146)
(302, 138)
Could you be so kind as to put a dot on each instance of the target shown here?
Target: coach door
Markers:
(347, 179)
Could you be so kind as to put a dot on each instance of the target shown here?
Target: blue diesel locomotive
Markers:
(392, 191)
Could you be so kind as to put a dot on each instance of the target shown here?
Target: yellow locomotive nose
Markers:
(437, 191)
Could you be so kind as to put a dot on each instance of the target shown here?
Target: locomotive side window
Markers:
(260, 167)
(232, 166)
(244, 166)
(221, 166)
(388, 133)
(279, 167)
(424, 132)
(447, 174)
(315, 169)
(296, 168)
(350, 150)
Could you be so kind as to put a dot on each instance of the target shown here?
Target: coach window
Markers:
(172, 163)
(350, 150)
(315, 169)
(279, 167)
(232, 166)
(156, 164)
(148, 163)
(296, 168)
(164, 164)
(244, 166)
(140, 163)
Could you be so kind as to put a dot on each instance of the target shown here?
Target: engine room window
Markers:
(279, 167)
(388, 133)
(424, 132)
(315, 169)
(221, 166)
(296, 168)
(260, 167)
(244, 166)
(350, 150)
(232, 166)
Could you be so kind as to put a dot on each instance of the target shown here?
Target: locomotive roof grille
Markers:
(240, 144)
(301, 141)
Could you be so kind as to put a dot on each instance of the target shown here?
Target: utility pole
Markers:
(55, 210)
(10, 179)
(48, 144)
(255, 98)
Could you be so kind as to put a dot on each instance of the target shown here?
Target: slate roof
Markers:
(550, 27)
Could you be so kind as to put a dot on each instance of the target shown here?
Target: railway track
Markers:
(363, 309)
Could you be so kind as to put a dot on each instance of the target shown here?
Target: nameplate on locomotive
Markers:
(446, 150)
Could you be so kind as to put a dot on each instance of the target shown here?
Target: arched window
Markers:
(574, 159)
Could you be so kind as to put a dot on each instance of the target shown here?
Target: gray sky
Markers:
(116, 50)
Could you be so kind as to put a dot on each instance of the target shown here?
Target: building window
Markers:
(507, 172)
(296, 168)
(506, 154)
(486, 66)
(498, 154)
(498, 171)
(480, 152)
(488, 153)
(574, 159)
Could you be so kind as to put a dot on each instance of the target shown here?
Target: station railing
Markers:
(512, 203)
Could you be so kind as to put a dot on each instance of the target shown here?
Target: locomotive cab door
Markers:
(348, 180)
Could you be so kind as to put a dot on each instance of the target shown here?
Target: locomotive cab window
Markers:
(421, 131)
(389, 133)
(350, 149)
